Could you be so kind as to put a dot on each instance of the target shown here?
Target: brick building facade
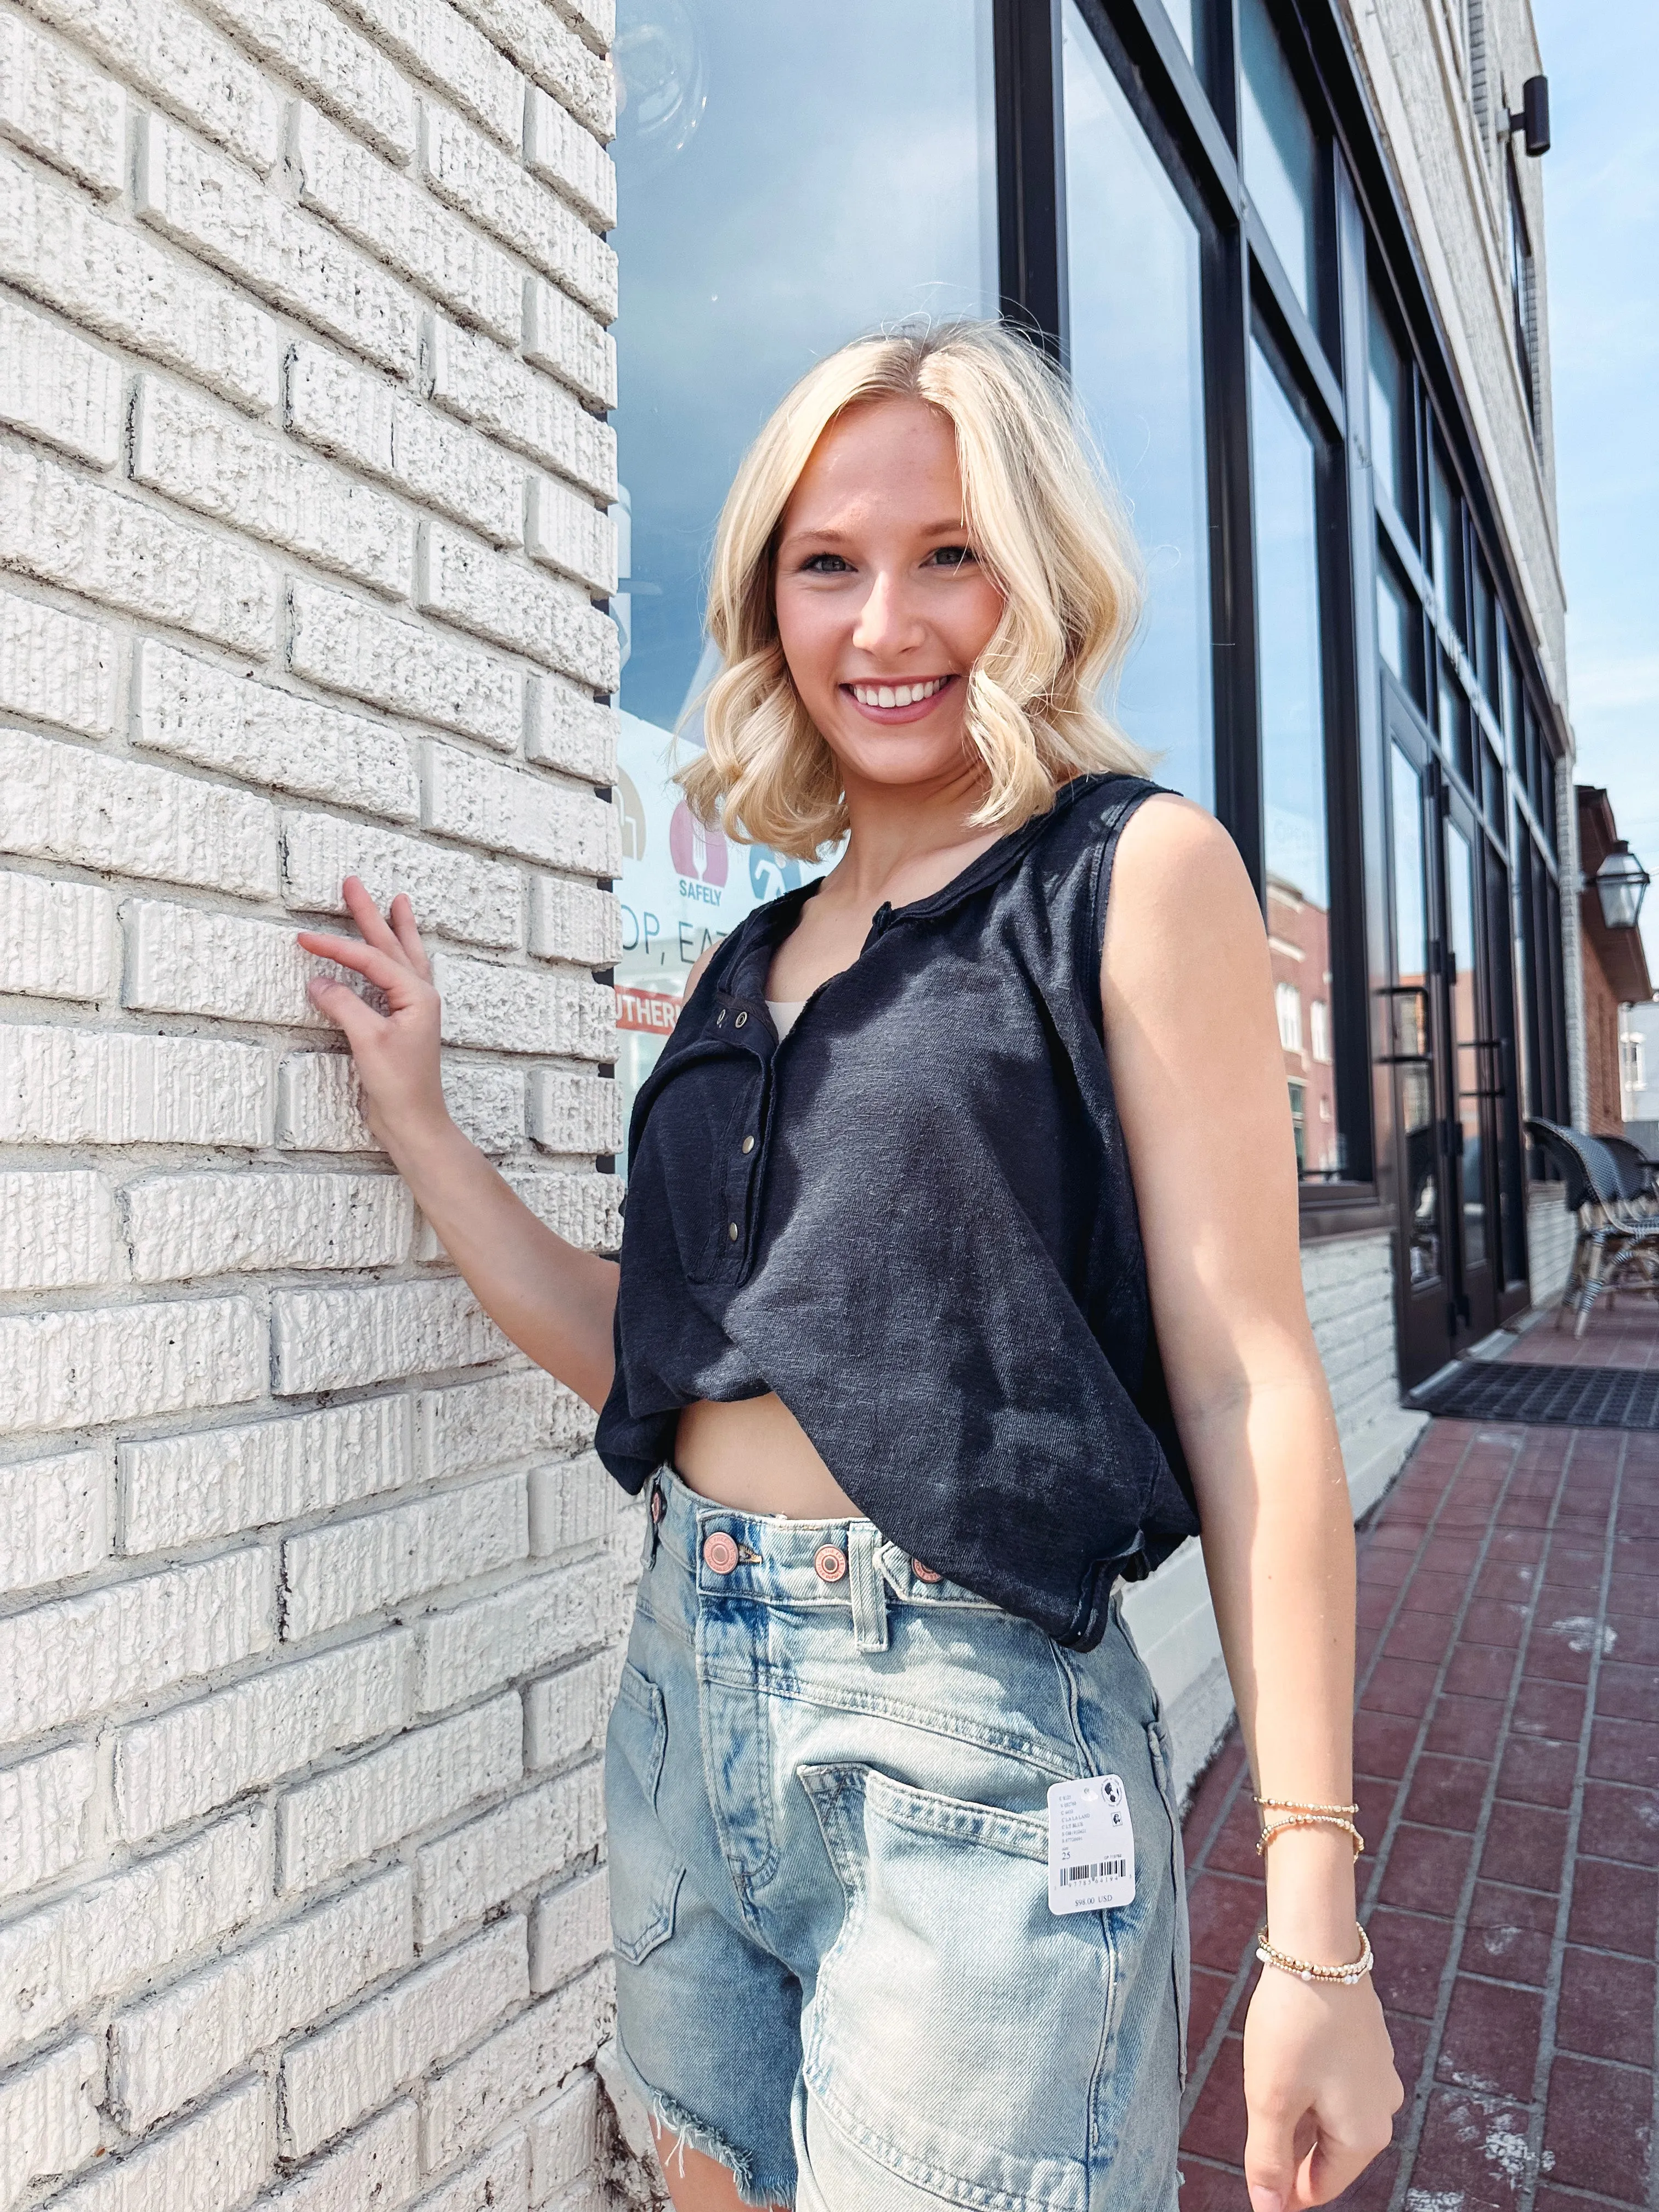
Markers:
(309, 1594)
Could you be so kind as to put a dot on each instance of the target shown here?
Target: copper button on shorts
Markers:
(830, 1563)
(719, 1552)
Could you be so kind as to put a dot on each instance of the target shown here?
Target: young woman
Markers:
(960, 1279)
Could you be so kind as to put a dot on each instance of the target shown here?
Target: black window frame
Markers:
(1190, 112)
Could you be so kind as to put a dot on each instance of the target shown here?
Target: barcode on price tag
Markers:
(1091, 1846)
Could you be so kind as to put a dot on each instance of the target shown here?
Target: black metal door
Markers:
(1451, 1069)
(1473, 1070)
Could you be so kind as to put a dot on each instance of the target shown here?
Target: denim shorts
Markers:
(837, 1972)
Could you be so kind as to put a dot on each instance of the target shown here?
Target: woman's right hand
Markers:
(397, 1051)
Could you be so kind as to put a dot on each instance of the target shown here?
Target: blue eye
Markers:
(953, 556)
(824, 564)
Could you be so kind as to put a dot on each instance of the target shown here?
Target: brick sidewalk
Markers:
(1507, 1751)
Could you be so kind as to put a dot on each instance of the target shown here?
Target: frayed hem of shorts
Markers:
(674, 2131)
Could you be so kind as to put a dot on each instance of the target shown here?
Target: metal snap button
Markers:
(719, 1554)
(748, 1145)
(733, 1232)
(719, 1019)
(831, 1564)
(657, 1508)
(741, 1019)
(925, 1574)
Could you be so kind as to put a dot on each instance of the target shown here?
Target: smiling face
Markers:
(882, 606)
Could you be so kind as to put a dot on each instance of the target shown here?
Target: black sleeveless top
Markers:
(914, 1220)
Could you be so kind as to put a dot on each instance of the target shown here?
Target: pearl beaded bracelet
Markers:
(1306, 1971)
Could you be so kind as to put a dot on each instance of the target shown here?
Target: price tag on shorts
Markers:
(1091, 1846)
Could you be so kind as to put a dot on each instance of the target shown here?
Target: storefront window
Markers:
(786, 179)
(1446, 543)
(1453, 709)
(1280, 155)
(1485, 631)
(1391, 419)
(1137, 369)
(1291, 689)
(1399, 627)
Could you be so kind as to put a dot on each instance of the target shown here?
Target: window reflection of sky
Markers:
(787, 178)
(1137, 369)
(1287, 624)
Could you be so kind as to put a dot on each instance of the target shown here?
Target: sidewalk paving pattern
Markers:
(1507, 1768)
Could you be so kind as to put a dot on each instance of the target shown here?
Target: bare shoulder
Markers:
(1179, 891)
(698, 967)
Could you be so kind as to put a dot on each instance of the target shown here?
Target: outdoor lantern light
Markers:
(1620, 882)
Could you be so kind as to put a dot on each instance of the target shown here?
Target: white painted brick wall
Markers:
(209, 2163)
(70, 531)
(104, 811)
(56, 667)
(332, 2078)
(302, 461)
(351, 1568)
(44, 1805)
(59, 938)
(177, 1490)
(165, 2051)
(574, 1114)
(54, 1518)
(49, 2118)
(196, 454)
(171, 55)
(55, 386)
(113, 1934)
(201, 1755)
(55, 245)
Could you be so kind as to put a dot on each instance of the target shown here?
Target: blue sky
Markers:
(1602, 239)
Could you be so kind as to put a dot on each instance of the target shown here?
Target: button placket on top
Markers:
(735, 1023)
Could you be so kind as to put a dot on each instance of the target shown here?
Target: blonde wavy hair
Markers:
(1044, 520)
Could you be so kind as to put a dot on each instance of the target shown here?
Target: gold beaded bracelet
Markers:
(1306, 1971)
(1300, 1815)
(1296, 1805)
(1308, 1820)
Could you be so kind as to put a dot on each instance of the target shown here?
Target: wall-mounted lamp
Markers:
(1621, 883)
(1533, 116)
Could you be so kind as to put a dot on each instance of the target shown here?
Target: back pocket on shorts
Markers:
(645, 1874)
(957, 2024)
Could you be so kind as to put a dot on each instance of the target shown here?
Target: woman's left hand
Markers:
(1321, 2088)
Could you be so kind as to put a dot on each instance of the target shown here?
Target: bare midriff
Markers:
(753, 1456)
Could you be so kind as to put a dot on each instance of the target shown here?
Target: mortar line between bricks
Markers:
(1199, 2071)
(1545, 2059)
(1423, 2090)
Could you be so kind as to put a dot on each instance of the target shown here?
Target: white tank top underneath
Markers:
(785, 1013)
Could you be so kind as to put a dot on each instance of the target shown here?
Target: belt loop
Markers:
(868, 1591)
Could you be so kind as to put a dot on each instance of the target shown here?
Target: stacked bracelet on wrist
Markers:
(1306, 1816)
(1306, 1971)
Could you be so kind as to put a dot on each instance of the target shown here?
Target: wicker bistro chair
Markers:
(1616, 1247)
(1637, 1175)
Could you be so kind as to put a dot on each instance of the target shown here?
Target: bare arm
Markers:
(553, 1300)
(1199, 1075)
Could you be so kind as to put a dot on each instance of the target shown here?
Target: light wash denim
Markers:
(836, 1968)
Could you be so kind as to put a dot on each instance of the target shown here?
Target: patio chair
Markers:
(1616, 1247)
(1637, 1174)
